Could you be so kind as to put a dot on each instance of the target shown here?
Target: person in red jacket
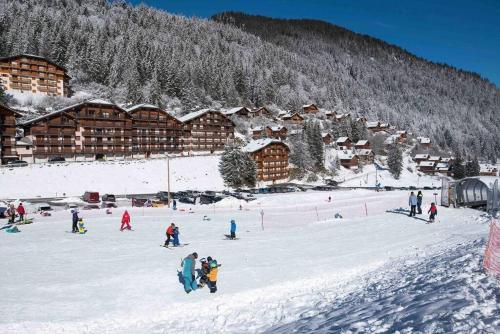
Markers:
(21, 211)
(125, 221)
(433, 212)
(170, 234)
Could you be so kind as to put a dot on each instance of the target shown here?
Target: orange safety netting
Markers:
(492, 253)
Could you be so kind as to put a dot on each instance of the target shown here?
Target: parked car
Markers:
(209, 199)
(44, 207)
(187, 200)
(162, 196)
(2, 211)
(388, 188)
(427, 188)
(324, 188)
(139, 202)
(105, 205)
(331, 182)
(412, 188)
(108, 198)
(91, 197)
(17, 163)
(57, 159)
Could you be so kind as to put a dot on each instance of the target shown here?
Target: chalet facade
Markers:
(327, 138)
(238, 111)
(348, 159)
(365, 156)
(154, 131)
(33, 74)
(257, 132)
(271, 158)
(340, 118)
(377, 126)
(294, 118)
(310, 109)
(276, 132)
(362, 145)
(208, 130)
(344, 142)
(421, 157)
(427, 167)
(259, 112)
(424, 142)
(488, 170)
(7, 134)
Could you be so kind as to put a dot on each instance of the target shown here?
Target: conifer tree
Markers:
(395, 161)
(458, 167)
(237, 168)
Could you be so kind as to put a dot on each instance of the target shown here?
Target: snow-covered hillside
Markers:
(300, 265)
(118, 177)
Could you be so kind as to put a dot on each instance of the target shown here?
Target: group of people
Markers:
(207, 274)
(415, 203)
(11, 213)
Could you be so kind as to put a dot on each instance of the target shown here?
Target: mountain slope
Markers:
(132, 54)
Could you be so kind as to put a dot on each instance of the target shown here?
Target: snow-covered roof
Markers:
(487, 168)
(101, 101)
(257, 145)
(434, 158)
(364, 152)
(276, 127)
(233, 111)
(193, 115)
(424, 140)
(330, 112)
(288, 115)
(372, 124)
(401, 132)
(25, 141)
(342, 139)
(384, 125)
(346, 155)
(442, 165)
(391, 139)
(324, 134)
(446, 159)
(257, 128)
(142, 105)
(340, 116)
(361, 143)
(421, 156)
(308, 105)
(426, 164)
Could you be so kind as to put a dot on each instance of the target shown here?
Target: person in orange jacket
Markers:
(170, 234)
(212, 274)
(125, 221)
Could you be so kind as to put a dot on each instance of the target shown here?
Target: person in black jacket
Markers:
(75, 221)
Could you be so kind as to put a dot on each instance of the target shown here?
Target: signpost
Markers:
(262, 219)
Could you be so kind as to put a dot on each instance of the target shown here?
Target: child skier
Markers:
(170, 234)
(75, 218)
(433, 212)
(125, 221)
(81, 227)
(233, 229)
(212, 275)
(205, 269)
(176, 236)
(11, 213)
(21, 211)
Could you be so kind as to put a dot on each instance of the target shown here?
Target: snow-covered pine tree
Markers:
(299, 154)
(395, 161)
(237, 168)
(476, 168)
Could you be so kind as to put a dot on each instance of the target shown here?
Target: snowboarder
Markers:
(75, 219)
(433, 212)
(329, 199)
(174, 205)
(412, 202)
(170, 234)
(419, 202)
(233, 229)
(11, 213)
(205, 218)
(125, 221)
(188, 272)
(176, 236)
(21, 211)
(81, 227)
(212, 275)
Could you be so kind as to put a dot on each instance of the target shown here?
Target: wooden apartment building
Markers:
(208, 130)
(7, 134)
(33, 74)
(154, 131)
(271, 158)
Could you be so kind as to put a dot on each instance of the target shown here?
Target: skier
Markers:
(170, 234)
(205, 269)
(329, 199)
(233, 229)
(419, 202)
(433, 212)
(188, 272)
(21, 211)
(412, 202)
(75, 219)
(174, 205)
(125, 221)
(176, 236)
(11, 213)
(81, 227)
(212, 275)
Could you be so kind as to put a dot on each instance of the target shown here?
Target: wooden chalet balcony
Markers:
(20, 81)
(10, 131)
(53, 150)
(21, 87)
(8, 142)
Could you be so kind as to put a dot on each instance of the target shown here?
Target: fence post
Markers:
(317, 215)
(366, 210)
(262, 219)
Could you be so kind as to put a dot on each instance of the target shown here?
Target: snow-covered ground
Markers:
(303, 264)
(115, 177)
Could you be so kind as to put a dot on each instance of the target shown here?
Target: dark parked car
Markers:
(108, 198)
(209, 199)
(187, 200)
(2, 211)
(427, 188)
(139, 202)
(388, 188)
(17, 163)
(412, 188)
(57, 159)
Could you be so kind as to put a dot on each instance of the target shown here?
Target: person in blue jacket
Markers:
(176, 236)
(75, 220)
(188, 272)
(233, 229)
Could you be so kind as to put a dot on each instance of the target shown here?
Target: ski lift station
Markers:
(473, 192)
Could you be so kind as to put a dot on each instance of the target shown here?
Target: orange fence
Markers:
(492, 253)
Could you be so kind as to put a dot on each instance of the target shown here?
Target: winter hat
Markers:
(195, 255)
(209, 259)
(213, 264)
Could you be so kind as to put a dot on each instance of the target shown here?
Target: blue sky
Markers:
(464, 34)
